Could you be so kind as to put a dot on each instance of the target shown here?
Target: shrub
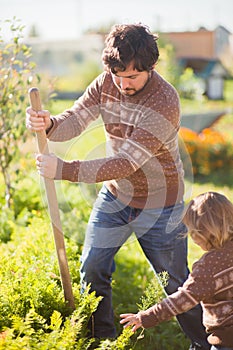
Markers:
(7, 225)
(16, 75)
(189, 86)
(33, 313)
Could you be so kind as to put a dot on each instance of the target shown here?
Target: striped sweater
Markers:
(211, 283)
(142, 167)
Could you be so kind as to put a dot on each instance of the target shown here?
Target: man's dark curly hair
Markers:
(128, 43)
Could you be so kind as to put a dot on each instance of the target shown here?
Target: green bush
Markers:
(7, 225)
(31, 299)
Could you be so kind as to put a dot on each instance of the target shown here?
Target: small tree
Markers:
(16, 75)
(167, 65)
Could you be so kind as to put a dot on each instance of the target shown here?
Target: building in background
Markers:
(207, 52)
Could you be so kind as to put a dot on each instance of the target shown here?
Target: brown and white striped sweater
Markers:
(142, 167)
(211, 283)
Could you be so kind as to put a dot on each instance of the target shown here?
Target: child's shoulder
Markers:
(217, 258)
(228, 245)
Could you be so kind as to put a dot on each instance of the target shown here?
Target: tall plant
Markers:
(16, 75)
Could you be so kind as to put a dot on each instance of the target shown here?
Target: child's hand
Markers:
(131, 320)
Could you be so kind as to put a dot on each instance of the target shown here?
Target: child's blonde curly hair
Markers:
(209, 217)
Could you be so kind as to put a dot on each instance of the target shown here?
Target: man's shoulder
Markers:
(103, 81)
(164, 88)
(159, 79)
(101, 84)
(104, 77)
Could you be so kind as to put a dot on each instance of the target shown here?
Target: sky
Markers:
(67, 19)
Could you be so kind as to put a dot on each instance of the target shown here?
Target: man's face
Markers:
(130, 81)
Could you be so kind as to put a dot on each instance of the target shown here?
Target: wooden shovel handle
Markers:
(53, 208)
(41, 135)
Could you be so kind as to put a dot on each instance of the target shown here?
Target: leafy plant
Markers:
(153, 294)
(16, 75)
(189, 86)
(35, 332)
(7, 225)
(33, 313)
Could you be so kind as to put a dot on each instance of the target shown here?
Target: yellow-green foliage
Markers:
(33, 313)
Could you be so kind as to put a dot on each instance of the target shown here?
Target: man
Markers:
(142, 173)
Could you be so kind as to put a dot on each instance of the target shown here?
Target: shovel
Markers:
(53, 209)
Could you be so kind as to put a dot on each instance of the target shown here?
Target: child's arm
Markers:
(169, 307)
(196, 288)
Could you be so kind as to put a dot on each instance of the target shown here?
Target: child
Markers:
(209, 219)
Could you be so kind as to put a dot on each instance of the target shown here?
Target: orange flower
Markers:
(211, 137)
(188, 134)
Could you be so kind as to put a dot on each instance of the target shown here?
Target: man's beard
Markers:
(128, 92)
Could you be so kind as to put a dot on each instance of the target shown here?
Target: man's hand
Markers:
(47, 165)
(131, 320)
(37, 121)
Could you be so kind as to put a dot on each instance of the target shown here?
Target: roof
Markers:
(204, 67)
(200, 121)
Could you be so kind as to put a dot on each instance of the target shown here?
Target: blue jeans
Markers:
(159, 232)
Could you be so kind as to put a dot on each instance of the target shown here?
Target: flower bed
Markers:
(208, 151)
